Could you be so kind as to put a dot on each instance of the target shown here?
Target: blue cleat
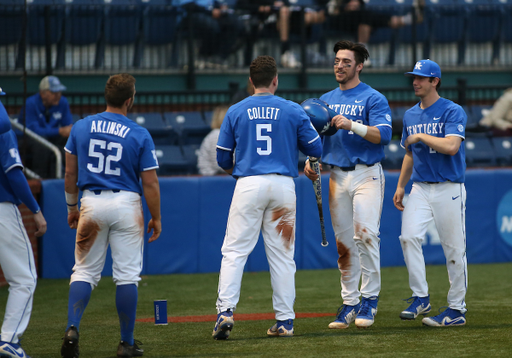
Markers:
(366, 315)
(345, 316)
(419, 305)
(448, 317)
(12, 350)
(224, 325)
(281, 329)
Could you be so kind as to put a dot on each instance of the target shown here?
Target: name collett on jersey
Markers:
(263, 113)
(109, 127)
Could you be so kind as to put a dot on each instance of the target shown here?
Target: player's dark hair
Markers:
(438, 83)
(361, 54)
(118, 89)
(262, 71)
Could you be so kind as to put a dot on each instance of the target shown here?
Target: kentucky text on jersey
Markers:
(263, 113)
(348, 109)
(109, 128)
(429, 128)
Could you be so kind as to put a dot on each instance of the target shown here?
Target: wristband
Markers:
(72, 202)
(359, 129)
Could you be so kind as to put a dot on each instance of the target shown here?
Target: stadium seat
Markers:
(383, 40)
(503, 148)
(45, 17)
(190, 155)
(394, 155)
(413, 35)
(190, 126)
(160, 130)
(171, 160)
(122, 29)
(160, 22)
(506, 36)
(447, 40)
(480, 152)
(84, 35)
(483, 40)
(397, 116)
(11, 34)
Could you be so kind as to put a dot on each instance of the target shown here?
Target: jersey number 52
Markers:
(105, 164)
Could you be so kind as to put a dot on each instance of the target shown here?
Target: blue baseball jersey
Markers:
(9, 159)
(112, 151)
(266, 132)
(364, 105)
(442, 119)
(36, 116)
(5, 122)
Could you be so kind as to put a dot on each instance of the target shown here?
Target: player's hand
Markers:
(40, 224)
(309, 172)
(415, 138)
(398, 199)
(73, 217)
(341, 122)
(156, 225)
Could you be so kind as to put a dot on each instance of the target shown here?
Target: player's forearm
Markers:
(448, 145)
(152, 196)
(406, 171)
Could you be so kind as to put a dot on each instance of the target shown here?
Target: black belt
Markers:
(98, 192)
(431, 182)
(349, 169)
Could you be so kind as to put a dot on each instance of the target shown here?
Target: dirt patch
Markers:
(237, 316)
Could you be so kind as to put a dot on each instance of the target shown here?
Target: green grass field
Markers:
(488, 332)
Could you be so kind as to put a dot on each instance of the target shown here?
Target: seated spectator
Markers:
(217, 27)
(48, 115)
(352, 16)
(287, 20)
(500, 115)
(207, 154)
(5, 123)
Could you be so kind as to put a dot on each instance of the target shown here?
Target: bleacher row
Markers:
(178, 135)
(113, 34)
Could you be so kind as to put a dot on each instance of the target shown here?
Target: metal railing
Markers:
(45, 143)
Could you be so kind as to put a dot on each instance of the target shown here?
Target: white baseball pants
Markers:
(445, 203)
(355, 202)
(17, 261)
(115, 219)
(266, 203)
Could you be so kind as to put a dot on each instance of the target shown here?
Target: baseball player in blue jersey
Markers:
(5, 122)
(16, 257)
(264, 133)
(435, 161)
(106, 155)
(356, 187)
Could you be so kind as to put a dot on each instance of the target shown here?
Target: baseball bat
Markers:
(317, 186)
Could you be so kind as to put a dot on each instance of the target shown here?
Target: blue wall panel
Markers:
(195, 212)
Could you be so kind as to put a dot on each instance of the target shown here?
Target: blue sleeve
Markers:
(224, 158)
(385, 134)
(5, 122)
(148, 159)
(32, 120)
(19, 186)
(309, 141)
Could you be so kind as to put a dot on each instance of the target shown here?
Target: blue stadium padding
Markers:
(122, 23)
(195, 211)
(178, 249)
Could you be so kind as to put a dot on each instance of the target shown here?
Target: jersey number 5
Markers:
(105, 164)
(266, 138)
